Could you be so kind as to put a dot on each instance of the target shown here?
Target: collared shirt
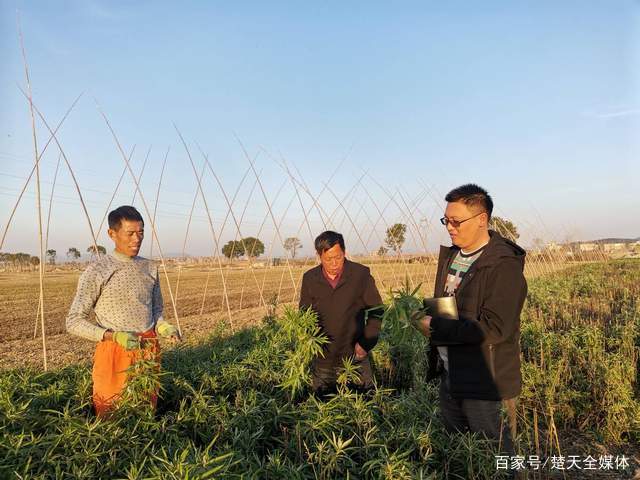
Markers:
(333, 282)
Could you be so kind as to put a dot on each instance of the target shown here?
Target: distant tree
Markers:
(233, 249)
(19, 261)
(292, 244)
(504, 227)
(253, 247)
(51, 256)
(94, 251)
(382, 251)
(73, 253)
(396, 237)
(538, 244)
(7, 260)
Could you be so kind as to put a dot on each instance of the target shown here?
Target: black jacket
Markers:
(484, 344)
(341, 311)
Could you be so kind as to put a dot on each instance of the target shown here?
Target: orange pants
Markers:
(109, 370)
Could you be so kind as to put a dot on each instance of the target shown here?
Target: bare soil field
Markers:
(202, 300)
(199, 294)
(64, 349)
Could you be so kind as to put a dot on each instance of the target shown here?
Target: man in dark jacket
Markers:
(478, 356)
(340, 291)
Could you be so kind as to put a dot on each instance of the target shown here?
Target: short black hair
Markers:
(328, 239)
(125, 212)
(472, 196)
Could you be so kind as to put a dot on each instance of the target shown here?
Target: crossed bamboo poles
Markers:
(357, 197)
(407, 209)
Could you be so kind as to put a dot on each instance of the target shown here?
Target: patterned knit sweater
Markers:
(124, 292)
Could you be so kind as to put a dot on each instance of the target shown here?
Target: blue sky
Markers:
(537, 101)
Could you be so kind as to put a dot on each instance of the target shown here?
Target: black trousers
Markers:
(476, 416)
(326, 375)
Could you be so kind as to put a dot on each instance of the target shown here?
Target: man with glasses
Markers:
(340, 291)
(477, 357)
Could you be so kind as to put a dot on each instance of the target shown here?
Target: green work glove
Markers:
(127, 340)
(166, 330)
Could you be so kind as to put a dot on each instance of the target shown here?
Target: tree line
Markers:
(251, 247)
(19, 261)
(25, 262)
(248, 247)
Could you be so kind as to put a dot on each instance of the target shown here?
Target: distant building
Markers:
(588, 246)
(553, 247)
(614, 247)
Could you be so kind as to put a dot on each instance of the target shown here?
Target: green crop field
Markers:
(237, 405)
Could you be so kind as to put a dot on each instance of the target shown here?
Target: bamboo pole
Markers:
(39, 206)
(333, 174)
(33, 169)
(400, 209)
(226, 217)
(302, 209)
(46, 241)
(264, 220)
(411, 219)
(315, 199)
(146, 208)
(374, 230)
(263, 223)
(273, 241)
(273, 219)
(294, 182)
(155, 206)
(224, 224)
(144, 164)
(68, 164)
(115, 191)
(213, 233)
(364, 246)
(230, 210)
(186, 236)
(53, 188)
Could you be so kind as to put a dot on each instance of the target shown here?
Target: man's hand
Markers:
(421, 322)
(360, 352)
(127, 340)
(166, 330)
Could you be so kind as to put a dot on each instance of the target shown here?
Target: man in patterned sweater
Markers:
(123, 290)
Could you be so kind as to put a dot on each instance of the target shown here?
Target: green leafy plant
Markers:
(233, 406)
(401, 353)
(302, 335)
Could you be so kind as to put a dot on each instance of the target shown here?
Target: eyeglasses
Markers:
(456, 223)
